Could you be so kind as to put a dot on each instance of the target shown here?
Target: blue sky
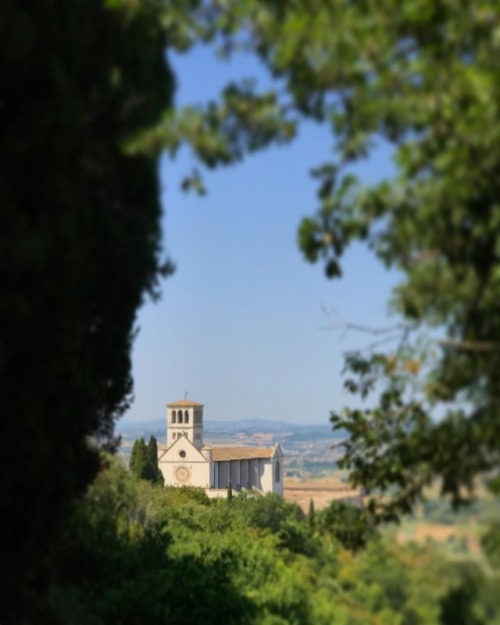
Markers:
(240, 324)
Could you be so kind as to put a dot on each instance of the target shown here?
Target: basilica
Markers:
(185, 461)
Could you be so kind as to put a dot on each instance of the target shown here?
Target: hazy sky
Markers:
(239, 325)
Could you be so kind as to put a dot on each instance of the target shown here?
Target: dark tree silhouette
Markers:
(79, 249)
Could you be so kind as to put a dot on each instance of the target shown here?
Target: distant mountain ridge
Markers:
(245, 425)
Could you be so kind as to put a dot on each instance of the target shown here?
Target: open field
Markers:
(460, 535)
(455, 535)
(321, 490)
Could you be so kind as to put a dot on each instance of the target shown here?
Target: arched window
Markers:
(179, 416)
(277, 472)
(173, 416)
(186, 416)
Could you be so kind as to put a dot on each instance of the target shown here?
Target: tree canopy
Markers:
(134, 553)
(79, 250)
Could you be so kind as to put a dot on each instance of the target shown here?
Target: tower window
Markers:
(277, 472)
(186, 417)
(179, 416)
(173, 416)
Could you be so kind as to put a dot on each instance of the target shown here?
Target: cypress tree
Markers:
(139, 459)
(312, 514)
(153, 473)
(79, 250)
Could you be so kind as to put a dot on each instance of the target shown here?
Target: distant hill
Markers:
(259, 425)
(247, 426)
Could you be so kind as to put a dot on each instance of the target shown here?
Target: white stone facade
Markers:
(185, 461)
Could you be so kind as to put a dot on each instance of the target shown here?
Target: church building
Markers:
(186, 461)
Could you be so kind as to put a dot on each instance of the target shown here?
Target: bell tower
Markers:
(185, 418)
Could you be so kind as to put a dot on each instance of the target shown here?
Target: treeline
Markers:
(137, 553)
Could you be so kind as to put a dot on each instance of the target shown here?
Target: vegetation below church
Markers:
(136, 553)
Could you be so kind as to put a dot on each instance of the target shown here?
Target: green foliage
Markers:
(347, 524)
(491, 543)
(114, 565)
(153, 472)
(144, 460)
(79, 250)
(138, 458)
(133, 553)
(469, 600)
(312, 514)
(189, 494)
(266, 512)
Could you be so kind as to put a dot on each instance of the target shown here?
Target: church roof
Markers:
(184, 403)
(240, 453)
